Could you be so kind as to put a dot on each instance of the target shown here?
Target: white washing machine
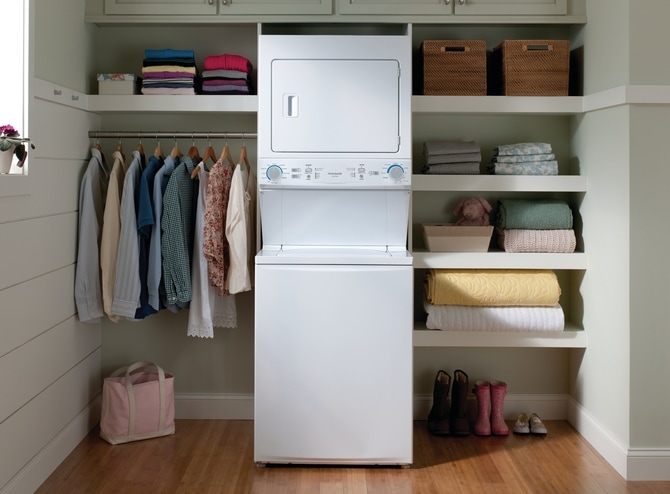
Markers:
(334, 279)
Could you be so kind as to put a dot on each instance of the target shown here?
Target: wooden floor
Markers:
(216, 456)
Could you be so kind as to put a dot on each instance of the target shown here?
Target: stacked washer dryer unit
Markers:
(334, 279)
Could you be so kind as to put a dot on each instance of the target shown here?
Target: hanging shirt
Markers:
(215, 244)
(155, 292)
(87, 287)
(127, 282)
(145, 225)
(207, 309)
(111, 230)
(239, 225)
(178, 225)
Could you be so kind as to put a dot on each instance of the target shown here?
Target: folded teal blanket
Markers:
(534, 214)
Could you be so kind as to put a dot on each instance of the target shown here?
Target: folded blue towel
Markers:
(169, 53)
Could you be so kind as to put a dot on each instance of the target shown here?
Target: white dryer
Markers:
(334, 279)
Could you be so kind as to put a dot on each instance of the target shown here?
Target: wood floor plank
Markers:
(216, 456)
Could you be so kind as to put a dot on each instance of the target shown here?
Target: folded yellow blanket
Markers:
(493, 287)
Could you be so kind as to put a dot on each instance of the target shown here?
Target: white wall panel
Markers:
(51, 293)
(36, 247)
(28, 370)
(24, 434)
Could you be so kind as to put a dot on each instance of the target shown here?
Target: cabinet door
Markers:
(403, 7)
(509, 7)
(160, 7)
(274, 7)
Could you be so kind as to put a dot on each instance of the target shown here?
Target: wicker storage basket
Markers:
(454, 67)
(533, 67)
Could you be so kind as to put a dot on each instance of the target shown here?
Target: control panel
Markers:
(323, 172)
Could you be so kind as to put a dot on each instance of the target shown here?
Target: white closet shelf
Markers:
(499, 183)
(571, 337)
(518, 105)
(499, 260)
(200, 103)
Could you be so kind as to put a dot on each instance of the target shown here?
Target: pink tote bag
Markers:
(137, 403)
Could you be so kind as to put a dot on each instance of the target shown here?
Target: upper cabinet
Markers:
(274, 7)
(455, 7)
(214, 7)
(161, 7)
(509, 7)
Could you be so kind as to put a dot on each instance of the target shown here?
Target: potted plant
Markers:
(12, 144)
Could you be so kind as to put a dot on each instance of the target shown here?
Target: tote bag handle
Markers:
(127, 371)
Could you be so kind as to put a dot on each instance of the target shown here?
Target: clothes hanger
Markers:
(244, 157)
(226, 157)
(158, 152)
(209, 153)
(193, 152)
(140, 148)
(176, 152)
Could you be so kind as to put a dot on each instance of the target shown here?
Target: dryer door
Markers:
(335, 106)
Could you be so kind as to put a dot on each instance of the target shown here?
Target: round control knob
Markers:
(273, 172)
(396, 172)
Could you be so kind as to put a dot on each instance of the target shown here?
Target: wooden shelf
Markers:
(518, 105)
(201, 103)
(498, 260)
(571, 337)
(499, 183)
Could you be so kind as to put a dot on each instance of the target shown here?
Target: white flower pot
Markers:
(6, 158)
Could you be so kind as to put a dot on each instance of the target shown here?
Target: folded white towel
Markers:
(493, 319)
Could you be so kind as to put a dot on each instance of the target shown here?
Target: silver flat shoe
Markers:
(521, 425)
(536, 425)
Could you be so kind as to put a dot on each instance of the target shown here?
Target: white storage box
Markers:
(123, 84)
(445, 237)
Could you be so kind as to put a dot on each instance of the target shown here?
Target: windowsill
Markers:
(13, 184)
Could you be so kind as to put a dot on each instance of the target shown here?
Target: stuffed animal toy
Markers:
(474, 210)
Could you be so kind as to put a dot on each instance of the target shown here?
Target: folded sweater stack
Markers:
(535, 225)
(451, 157)
(493, 300)
(524, 158)
(169, 72)
(226, 74)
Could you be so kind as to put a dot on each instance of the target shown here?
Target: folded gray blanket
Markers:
(526, 168)
(439, 159)
(520, 158)
(471, 168)
(522, 149)
(533, 214)
(450, 147)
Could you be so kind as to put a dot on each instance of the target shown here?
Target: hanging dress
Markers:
(208, 309)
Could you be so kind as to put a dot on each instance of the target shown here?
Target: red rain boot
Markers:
(483, 423)
(498, 392)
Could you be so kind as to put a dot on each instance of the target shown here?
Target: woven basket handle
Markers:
(538, 47)
(455, 49)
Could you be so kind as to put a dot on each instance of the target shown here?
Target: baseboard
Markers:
(631, 463)
(241, 406)
(214, 406)
(38, 469)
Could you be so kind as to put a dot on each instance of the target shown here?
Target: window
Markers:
(14, 70)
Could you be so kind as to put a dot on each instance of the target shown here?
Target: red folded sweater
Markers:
(228, 62)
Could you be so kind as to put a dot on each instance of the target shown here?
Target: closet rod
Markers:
(121, 134)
